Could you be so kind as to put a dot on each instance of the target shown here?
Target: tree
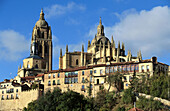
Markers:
(114, 79)
(56, 101)
(157, 85)
(128, 96)
(149, 104)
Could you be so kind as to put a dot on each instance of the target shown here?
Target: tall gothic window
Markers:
(40, 49)
(77, 62)
(46, 49)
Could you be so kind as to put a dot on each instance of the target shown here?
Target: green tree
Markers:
(128, 96)
(149, 104)
(114, 80)
(56, 101)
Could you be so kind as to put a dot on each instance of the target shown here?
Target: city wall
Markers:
(25, 97)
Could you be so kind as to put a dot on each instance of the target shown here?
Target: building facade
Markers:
(15, 96)
(80, 79)
(84, 71)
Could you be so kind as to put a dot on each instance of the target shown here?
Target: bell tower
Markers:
(42, 32)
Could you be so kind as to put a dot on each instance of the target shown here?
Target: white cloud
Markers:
(71, 21)
(145, 30)
(12, 45)
(57, 9)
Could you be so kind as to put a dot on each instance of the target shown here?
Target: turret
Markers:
(112, 41)
(60, 52)
(82, 48)
(123, 46)
(20, 66)
(66, 48)
(118, 49)
(139, 56)
(129, 56)
(88, 43)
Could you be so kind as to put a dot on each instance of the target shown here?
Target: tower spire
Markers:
(112, 40)
(100, 23)
(100, 29)
(123, 46)
(88, 43)
(82, 48)
(61, 52)
(42, 14)
(66, 48)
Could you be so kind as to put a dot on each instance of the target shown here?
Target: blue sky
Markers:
(141, 24)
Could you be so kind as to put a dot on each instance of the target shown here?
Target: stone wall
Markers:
(25, 97)
(164, 101)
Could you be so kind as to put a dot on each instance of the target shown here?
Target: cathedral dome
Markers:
(41, 22)
(94, 41)
(103, 40)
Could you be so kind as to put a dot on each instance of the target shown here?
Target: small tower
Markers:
(60, 60)
(118, 49)
(82, 48)
(139, 56)
(42, 32)
(66, 48)
(112, 41)
(123, 49)
(60, 52)
(123, 46)
(129, 56)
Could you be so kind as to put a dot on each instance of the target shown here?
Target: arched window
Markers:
(36, 66)
(77, 62)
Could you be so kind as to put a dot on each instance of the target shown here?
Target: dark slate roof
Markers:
(35, 57)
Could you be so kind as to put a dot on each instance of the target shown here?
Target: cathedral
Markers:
(79, 71)
(100, 51)
(40, 59)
